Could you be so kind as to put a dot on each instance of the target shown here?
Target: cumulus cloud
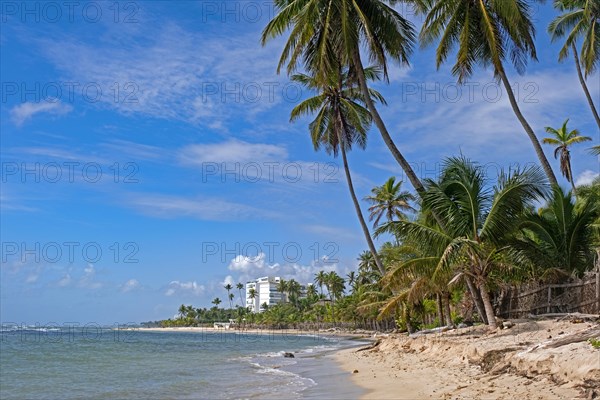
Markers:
(586, 178)
(184, 288)
(130, 285)
(25, 111)
(65, 280)
(88, 280)
(250, 268)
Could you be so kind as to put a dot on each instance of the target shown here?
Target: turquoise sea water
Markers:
(107, 364)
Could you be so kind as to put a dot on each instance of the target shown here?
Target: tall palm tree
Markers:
(252, 294)
(594, 150)
(323, 33)
(294, 291)
(389, 200)
(228, 287)
(580, 19)
(231, 297)
(351, 278)
(485, 32)
(311, 291)
(320, 279)
(562, 139)
(239, 287)
(282, 288)
(341, 121)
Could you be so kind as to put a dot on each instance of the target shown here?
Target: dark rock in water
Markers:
(288, 355)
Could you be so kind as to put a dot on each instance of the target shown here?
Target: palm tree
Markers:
(562, 138)
(479, 222)
(182, 311)
(252, 294)
(580, 19)
(294, 291)
(389, 200)
(320, 279)
(231, 296)
(282, 288)
(559, 239)
(595, 150)
(486, 32)
(228, 287)
(325, 33)
(351, 278)
(216, 301)
(335, 287)
(311, 292)
(341, 121)
(239, 287)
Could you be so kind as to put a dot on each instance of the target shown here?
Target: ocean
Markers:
(76, 363)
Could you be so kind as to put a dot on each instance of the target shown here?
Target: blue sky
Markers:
(147, 156)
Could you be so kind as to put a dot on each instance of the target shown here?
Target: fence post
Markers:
(598, 291)
(549, 298)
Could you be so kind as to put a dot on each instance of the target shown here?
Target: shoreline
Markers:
(467, 363)
(285, 332)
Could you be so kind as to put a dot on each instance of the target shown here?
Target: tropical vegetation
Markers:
(454, 246)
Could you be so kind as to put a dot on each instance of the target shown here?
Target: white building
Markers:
(265, 290)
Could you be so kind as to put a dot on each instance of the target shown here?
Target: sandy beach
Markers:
(531, 360)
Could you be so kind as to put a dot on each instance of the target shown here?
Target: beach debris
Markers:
(370, 347)
(507, 324)
(355, 371)
(288, 355)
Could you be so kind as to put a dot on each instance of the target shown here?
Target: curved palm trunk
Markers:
(534, 140)
(584, 85)
(362, 81)
(363, 224)
(410, 173)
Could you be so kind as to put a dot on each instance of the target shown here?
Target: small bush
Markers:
(595, 343)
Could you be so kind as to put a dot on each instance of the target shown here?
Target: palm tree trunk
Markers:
(572, 180)
(534, 140)
(410, 173)
(476, 299)
(447, 312)
(440, 307)
(584, 85)
(362, 81)
(363, 224)
(487, 302)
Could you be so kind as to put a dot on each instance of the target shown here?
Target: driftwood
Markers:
(371, 346)
(566, 316)
(574, 338)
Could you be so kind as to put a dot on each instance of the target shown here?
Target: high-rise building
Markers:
(265, 292)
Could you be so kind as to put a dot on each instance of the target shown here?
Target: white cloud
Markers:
(250, 268)
(586, 178)
(184, 288)
(25, 111)
(88, 280)
(130, 285)
(211, 209)
(232, 151)
(65, 280)
(170, 72)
